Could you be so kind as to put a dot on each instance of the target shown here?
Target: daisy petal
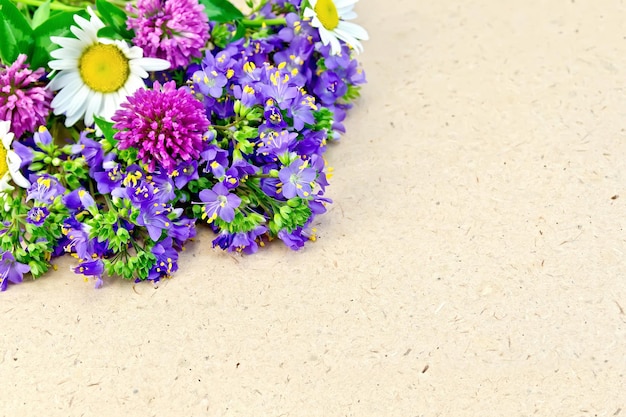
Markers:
(153, 64)
(353, 29)
(14, 162)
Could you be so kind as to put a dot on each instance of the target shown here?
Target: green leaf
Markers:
(109, 32)
(57, 25)
(114, 17)
(15, 32)
(41, 14)
(221, 11)
(107, 130)
(239, 33)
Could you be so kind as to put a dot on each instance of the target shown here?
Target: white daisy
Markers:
(9, 161)
(95, 74)
(329, 17)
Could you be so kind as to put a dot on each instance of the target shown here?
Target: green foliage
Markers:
(290, 215)
(202, 183)
(30, 244)
(15, 32)
(33, 39)
(41, 15)
(221, 11)
(115, 19)
(130, 266)
(56, 25)
(108, 131)
(354, 92)
(75, 172)
(323, 119)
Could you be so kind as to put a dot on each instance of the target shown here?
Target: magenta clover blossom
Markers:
(165, 124)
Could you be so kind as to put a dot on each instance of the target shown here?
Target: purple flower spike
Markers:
(219, 202)
(37, 215)
(42, 136)
(280, 88)
(78, 200)
(330, 87)
(276, 143)
(94, 268)
(296, 179)
(45, 189)
(11, 270)
(209, 81)
(166, 260)
(153, 216)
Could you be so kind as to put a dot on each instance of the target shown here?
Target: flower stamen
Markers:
(4, 167)
(327, 13)
(104, 68)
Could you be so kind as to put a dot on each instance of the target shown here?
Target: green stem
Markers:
(279, 21)
(110, 205)
(53, 5)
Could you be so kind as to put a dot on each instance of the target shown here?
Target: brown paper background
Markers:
(471, 265)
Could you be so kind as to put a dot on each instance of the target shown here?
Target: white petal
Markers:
(90, 103)
(93, 107)
(7, 135)
(109, 106)
(79, 100)
(89, 27)
(134, 53)
(14, 162)
(152, 64)
(83, 36)
(308, 12)
(94, 19)
(353, 29)
(67, 54)
(133, 84)
(350, 40)
(346, 14)
(137, 69)
(68, 43)
(62, 79)
(335, 46)
(63, 64)
(326, 36)
(339, 4)
(72, 118)
(61, 102)
(4, 183)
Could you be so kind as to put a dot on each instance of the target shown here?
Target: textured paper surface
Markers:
(472, 264)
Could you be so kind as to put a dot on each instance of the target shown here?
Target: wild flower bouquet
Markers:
(125, 124)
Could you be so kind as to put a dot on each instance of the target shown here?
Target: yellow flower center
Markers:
(4, 167)
(104, 68)
(327, 13)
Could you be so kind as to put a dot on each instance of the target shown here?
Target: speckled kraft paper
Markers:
(472, 264)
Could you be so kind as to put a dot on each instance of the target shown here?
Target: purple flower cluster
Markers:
(295, 95)
(234, 136)
(174, 30)
(11, 270)
(141, 200)
(22, 100)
